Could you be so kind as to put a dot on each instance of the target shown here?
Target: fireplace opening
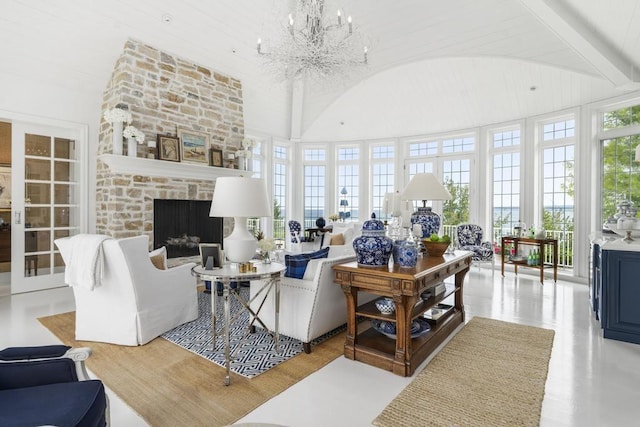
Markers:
(181, 225)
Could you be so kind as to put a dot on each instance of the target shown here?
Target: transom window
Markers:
(419, 149)
(559, 130)
(458, 145)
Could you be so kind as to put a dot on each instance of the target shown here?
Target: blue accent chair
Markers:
(470, 239)
(49, 385)
(295, 229)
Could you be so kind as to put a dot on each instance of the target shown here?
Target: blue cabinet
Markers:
(620, 295)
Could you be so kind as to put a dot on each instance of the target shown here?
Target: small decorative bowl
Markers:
(386, 305)
(435, 249)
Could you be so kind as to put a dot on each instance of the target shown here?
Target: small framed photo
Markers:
(168, 148)
(194, 146)
(215, 157)
(210, 255)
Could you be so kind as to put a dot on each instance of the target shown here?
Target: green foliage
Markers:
(277, 211)
(456, 210)
(620, 173)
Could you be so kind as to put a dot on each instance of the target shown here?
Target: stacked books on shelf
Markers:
(434, 291)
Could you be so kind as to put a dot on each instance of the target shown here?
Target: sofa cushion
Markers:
(337, 239)
(158, 258)
(64, 404)
(297, 264)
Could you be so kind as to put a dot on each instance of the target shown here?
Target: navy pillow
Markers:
(297, 264)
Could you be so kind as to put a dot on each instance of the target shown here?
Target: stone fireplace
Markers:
(164, 93)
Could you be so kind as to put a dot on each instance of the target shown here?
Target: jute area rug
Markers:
(492, 373)
(170, 386)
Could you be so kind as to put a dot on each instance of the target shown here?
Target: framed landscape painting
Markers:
(194, 146)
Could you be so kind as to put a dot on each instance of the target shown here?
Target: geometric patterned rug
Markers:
(253, 356)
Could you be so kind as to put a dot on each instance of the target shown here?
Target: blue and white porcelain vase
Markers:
(429, 220)
(373, 248)
(407, 253)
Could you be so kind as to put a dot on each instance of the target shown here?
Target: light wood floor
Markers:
(591, 382)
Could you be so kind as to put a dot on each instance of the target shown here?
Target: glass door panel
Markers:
(48, 194)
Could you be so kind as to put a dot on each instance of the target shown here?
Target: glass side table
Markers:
(270, 273)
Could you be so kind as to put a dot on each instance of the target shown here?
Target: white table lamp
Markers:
(240, 198)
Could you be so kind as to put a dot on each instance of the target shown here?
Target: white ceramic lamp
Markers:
(240, 198)
(425, 186)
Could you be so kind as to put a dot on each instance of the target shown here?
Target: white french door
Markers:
(45, 202)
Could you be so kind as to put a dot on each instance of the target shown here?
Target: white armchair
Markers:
(309, 307)
(134, 302)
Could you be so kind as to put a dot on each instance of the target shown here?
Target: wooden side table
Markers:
(403, 354)
(541, 244)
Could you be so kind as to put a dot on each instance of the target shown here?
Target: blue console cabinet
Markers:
(619, 299)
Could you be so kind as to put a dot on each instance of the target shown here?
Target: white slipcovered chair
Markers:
(132, 301)
(309, 307)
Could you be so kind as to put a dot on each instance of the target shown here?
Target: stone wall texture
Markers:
(164, 93)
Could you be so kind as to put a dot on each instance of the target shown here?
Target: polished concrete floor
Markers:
(591, 381)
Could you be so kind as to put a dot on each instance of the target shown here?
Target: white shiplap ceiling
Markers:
(433, 65)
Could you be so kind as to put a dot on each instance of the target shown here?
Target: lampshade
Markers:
(425, 186)
(240, 198)
(344, 202)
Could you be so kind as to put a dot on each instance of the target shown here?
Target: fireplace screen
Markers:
(181, 225)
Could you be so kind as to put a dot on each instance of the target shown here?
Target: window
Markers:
(620, 171)
(348, 170)
(559, 130)
(421, 149)
(458, 145)
(314, 185)
(280, 206)
(456, 178)
(382, 176)
(558, 186)
(506, 182)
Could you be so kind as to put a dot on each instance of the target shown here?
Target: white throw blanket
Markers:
(84, 267)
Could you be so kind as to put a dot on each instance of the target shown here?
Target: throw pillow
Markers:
(297, 264)
(158, 258)
(337, 239)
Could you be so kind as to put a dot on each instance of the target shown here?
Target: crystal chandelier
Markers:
(311, 47)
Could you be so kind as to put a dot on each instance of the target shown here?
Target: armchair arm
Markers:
(43, 365)
(487, 245)
(11, 354)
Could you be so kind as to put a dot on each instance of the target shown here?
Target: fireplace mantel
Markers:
(151, 167)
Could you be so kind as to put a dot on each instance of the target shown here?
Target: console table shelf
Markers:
(541, 244)
(402, 354)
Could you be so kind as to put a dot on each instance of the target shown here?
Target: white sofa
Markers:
(134, 302)
(311, 306)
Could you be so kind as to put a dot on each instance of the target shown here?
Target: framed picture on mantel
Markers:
(168, 148)
(195, 146)
(216, 157)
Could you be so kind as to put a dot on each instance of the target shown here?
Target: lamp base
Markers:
(240, 245)
(429, 220)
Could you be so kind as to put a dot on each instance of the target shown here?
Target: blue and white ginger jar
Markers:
(373, 248)
(429, 220)
(407, 254)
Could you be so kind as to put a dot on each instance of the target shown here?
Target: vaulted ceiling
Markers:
(433, 65)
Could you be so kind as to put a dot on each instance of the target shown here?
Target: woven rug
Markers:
(492, 373)
(254, 354)
(170, 386)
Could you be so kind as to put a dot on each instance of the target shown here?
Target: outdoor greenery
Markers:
(456, 210)
(620, 171)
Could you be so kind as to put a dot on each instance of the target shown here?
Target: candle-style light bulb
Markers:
(339, 17)
(366, 50)
(291, 24)
(350, 26)
(259, 44)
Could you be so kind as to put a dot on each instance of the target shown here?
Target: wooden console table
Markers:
(403, 354)
(541, 244)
